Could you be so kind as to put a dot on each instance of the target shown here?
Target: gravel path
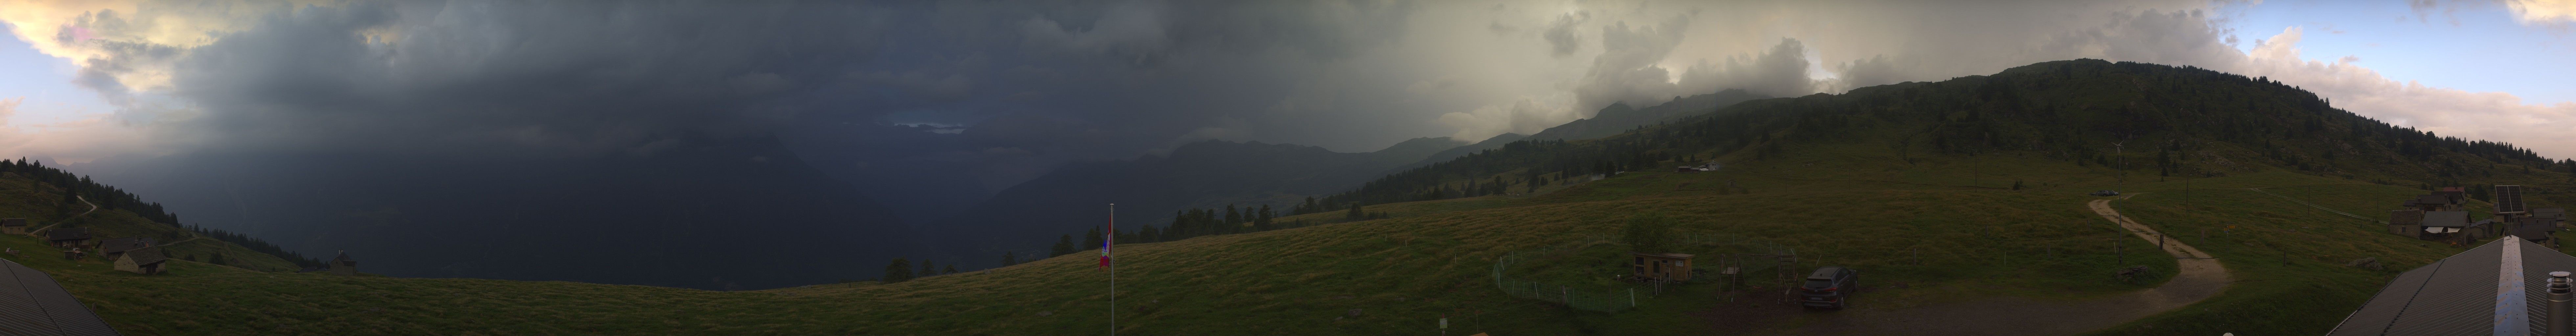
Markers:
(2201, 277)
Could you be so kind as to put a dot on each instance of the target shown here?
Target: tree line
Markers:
(77, 187)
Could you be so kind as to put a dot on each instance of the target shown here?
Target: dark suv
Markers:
(1829, 287)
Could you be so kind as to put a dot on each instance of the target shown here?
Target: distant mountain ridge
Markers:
(1147, 189)
(1211, 174)
(1620, 118)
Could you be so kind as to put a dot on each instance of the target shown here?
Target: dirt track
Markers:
(2200, 278)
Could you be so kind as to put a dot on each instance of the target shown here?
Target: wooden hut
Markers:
(342, 265)
(142, 261)
(2537, 230)
(15, 226)
(2434, 202)
(1673, 267)
(2409, 222)
(2444, 224)
(67, 237)
(114, 247)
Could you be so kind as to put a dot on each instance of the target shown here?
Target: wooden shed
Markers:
(342, 265)
(114, 247)
(15, 226)
(2408, 223)
(2434, 202)
(142, 261)
(67, 237)
(2536, 230)
(1673, 267)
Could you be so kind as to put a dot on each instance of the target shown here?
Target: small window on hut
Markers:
(1641, 260)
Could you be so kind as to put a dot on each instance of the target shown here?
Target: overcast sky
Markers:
(993, 93)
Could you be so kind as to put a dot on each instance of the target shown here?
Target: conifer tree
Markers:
(1008, 259)
(898, 271)
(950, 269)
(926, 270)
(1089, 240)
(1063, 246)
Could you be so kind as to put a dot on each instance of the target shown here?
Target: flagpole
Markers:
(1105, 252)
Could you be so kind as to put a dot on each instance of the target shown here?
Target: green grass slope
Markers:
(1434, 259)
(41, 204)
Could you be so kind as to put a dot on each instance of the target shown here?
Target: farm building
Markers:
(142, 261)
(2557, 214)
(2408, 223)
(67, 237)
(2534, 229)
(32, 304)
(1674, 267)
(2457, 195)
(2500, 288)
(15, 226)
(2444, 224)
(112, 248)
(2433, 202)
(342, 265)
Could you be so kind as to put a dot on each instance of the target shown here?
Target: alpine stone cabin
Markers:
(342, 265)
(142, 261)
(67, 237)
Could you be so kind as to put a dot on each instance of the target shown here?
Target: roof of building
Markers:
(13, 222)
(2536, 221)
(32, 303)
(114, 245)
(2552, 213)
(67, 234)
(2446, 218)
(2487, 290)
(1666, 255)
(2406, 217)
(2431, 200)
(344, 256)
(147, 256)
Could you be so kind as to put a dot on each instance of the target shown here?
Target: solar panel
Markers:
(2508, 199)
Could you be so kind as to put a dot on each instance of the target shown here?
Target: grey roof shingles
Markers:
(67, 234)
(2459, 295)
(114, 245)
(147, 256)
(31, 303)
(2446, 218)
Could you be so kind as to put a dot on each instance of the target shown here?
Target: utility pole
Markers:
(2119, 150)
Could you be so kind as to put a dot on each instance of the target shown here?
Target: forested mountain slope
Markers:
(2144, 119)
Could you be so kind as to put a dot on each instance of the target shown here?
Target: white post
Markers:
(1113, 269)
(1632, 298)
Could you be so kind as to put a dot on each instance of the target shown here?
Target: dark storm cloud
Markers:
(556, 77)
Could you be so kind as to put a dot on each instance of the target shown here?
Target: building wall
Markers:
(343, 269)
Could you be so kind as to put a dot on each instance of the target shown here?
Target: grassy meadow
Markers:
(1925, 231)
